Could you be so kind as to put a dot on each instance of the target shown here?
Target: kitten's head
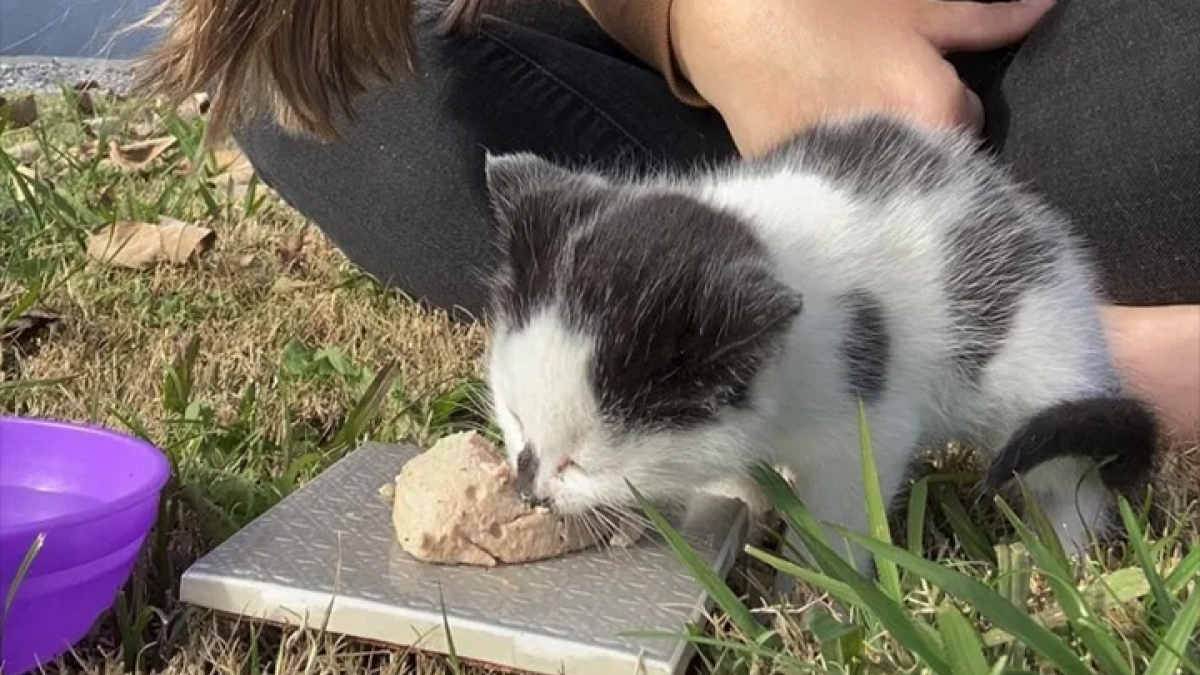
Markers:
(631, 327)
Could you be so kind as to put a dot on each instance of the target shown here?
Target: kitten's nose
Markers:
(527, 468)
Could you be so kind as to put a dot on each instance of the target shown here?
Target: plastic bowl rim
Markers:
(158, 477)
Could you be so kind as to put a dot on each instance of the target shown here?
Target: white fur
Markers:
(825, 241)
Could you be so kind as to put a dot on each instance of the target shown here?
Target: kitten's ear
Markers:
(785, 305)
(759, 309)
(777, 305)
(511, 177)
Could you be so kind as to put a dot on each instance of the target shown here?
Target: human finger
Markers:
(959, 26)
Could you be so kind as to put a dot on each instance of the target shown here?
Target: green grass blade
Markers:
(914, 634)
(784, 499)
(963, 647)
(1013, 573)
(1182, 632)
(1187, 570)
(455, 666)
(1102, 647)
(8, 166)
(716, 587)
(918, 502)
(24, 304)
(889, 577)
(177, 389)
(973, 539)
(1162, 601)
(1049, 565)
(836, 589)
(365, 411)
(22, 385)
(841, 641)
(986, 601)
(746, 647)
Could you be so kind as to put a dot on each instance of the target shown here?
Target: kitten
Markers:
(675, 329)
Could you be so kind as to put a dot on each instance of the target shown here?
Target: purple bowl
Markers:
(94, 493)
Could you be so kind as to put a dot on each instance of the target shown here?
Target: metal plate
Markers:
(329, 549)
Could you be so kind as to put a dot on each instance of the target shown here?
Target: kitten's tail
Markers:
(1119, 433)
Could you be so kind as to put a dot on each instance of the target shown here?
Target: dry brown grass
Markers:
(121, 330)
(262, 302)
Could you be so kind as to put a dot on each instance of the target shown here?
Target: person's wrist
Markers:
(695, 47)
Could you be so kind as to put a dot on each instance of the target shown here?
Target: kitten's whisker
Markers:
(593, 532)
(585, 520)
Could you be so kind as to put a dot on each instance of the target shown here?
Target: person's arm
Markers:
(774, 67)
(644, 28)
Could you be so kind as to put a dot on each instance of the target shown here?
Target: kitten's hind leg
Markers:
(1053, 409)
(1074, 455)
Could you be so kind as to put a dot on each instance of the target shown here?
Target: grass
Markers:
(1030, 609)
(254, 366)
(265, 359)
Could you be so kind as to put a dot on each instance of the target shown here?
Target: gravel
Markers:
(47, 74)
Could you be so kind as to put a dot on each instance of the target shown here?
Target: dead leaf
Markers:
(105, 200)
(25, 153)
(193, 106)
(20, 112)
(233, 167)
(83, 96)
(134, 157)
(291, 250)
(145, 129)
(140, 245)
(29, 326)
(86, 150)
(103, 126)
(85, 104)
(182, 166)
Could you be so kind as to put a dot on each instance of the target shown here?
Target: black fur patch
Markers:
(536, 204)
(680, 298)
(993, 262)
(683, 323)
(875, 156)
(1119, 433)
(866, 346)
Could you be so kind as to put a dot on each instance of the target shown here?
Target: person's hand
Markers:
(774, 67)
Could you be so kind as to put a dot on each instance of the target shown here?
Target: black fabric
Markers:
(1099, 109)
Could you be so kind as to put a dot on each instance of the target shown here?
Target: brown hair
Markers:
(297, 61)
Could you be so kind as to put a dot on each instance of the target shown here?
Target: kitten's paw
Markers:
(743, 489)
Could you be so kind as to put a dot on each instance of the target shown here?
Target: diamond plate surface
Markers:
(327, 553)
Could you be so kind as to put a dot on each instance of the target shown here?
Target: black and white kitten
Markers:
(675, 329)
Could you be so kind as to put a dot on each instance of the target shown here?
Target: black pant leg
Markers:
(402, 192)
(1100, 110)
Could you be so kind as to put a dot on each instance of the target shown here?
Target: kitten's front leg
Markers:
(835, 501)
(831, 488)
